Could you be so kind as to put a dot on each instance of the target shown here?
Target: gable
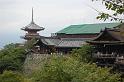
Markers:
(106, 36)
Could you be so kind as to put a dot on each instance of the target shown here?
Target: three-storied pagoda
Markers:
(32, 30)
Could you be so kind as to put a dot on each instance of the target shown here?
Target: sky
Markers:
(53, 15)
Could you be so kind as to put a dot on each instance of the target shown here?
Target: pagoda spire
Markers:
(32, 16)
(32, 29)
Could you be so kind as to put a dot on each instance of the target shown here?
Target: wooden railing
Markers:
(97, 55)
(33, 34)
(120, 60)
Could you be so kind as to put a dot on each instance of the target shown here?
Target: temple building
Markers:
(72, 37)
(64, 40)
(109, 48)
(65, 43)
(50, 45)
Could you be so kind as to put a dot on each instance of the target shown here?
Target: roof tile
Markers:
(87, 28)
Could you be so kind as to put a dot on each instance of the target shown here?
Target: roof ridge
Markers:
(94, 23)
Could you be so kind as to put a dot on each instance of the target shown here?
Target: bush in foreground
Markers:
(9, 76)
(67, 69)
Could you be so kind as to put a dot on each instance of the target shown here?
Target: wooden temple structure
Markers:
(49, 45)
(109, 48)
(109, 44)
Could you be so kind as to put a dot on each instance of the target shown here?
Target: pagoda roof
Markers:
(32, 26)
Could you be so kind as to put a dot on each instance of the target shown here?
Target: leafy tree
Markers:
(67, 69)
(12, 57)
(84, 53)
(117, 6)
(9, 76)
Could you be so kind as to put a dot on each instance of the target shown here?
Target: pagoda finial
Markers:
(32, 16)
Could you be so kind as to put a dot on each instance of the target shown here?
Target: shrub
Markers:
(67, 69)
(9, 76)
(84, 53)
(12, 57)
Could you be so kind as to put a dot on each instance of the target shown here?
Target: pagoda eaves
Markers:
(32, 26)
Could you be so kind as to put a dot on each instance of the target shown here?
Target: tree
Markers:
(117, 6)
(12, 57)
(67, 69)
(83, 54)
(10, 76)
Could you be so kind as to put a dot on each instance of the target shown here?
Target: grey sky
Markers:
(53, 15)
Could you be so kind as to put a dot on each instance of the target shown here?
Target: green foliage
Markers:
(117, 6)
(12, 57)
(9, 76)
(84, 53)
(67, 69)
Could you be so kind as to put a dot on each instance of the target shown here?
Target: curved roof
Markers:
(63, 42)
(87, 28)
(112, 36)
(32, 26)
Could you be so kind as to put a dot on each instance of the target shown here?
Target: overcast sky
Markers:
(53, 15)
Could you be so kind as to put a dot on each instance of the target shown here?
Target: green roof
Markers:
(87, 28)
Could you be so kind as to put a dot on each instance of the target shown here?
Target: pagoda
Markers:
(32, 30)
